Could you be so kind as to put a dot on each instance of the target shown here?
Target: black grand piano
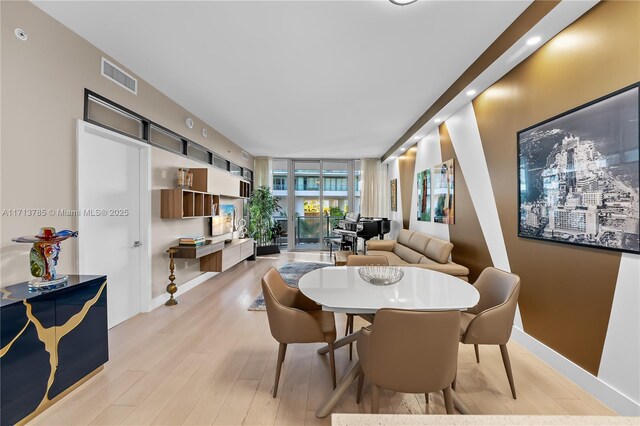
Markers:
(353, 227)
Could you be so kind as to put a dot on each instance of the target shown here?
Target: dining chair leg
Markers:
(507, 367)
(348, 329)
(426, 397)
(375, 399)
(282, 350)
(477, 349)
(332, 362)
(448, 400)
(360, 385)
(453, 384)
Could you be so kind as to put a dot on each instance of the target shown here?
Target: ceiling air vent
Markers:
(245, 155)
(118, 76)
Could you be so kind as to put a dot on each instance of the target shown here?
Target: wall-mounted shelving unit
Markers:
(186, 203)
(196, 201)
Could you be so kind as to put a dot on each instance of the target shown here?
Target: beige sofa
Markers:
(417, 249)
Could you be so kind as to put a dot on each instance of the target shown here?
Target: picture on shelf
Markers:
(443, 193)
(223, 222)
(424, 195)
(578, 175)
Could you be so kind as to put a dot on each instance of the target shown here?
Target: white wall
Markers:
(428, 155)
(393, 172)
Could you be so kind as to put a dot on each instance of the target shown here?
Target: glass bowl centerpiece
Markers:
(380, 275)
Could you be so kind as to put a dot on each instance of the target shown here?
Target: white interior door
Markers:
(111, 232)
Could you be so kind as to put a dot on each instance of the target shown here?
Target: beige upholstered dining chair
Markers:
(360, 260)
(491, 320)
(411, 352)
(294, 318)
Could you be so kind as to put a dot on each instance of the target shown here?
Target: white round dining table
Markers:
(341, 289)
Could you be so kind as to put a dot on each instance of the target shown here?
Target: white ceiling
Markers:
(325, 79)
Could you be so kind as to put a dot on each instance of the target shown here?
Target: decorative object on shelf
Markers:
(443, 193)
(171, 287)
(185, 178)
(182, 178)
(43, 257)
(578, 175)
(242, 228)
(380, 275)
(262, 206)
(424, 195)
(189, 179)
(394, 195)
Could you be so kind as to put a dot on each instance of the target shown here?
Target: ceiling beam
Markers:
(518, 28)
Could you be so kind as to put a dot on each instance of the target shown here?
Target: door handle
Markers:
(137, 243)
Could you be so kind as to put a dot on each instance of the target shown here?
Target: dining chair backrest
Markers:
(499, 292)
(289, 320)
(413, 351)
(366, 260)
(496, 287)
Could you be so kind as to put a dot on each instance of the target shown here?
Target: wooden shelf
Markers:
(245, 189)
(186, 203)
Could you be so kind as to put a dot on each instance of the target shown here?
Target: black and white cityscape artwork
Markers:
(578, 175)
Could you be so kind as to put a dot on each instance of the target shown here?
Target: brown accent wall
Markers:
(567, 291)
(469, 245)
(407, 165)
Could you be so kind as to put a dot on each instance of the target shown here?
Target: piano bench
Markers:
(341, 257)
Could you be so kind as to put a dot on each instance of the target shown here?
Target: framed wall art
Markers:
(443, 193)
(424, 195)
(578, 175)
(394, 195)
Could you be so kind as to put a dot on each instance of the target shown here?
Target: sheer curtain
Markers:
(263, 172)
(375, 188)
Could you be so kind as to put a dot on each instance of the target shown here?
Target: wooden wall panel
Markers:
(567, 291)
(407, 165)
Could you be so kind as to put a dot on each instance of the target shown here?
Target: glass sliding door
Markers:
(280, 190)
(307, 202)
(335, 195)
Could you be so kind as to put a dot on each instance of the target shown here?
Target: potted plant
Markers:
(262, 206)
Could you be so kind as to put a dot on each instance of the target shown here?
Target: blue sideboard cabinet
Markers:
(50, 340)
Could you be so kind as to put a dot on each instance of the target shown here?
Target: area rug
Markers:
(291, 273)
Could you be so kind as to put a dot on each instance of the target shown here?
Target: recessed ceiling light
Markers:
(534, 40)
(471, 92)
(438, 120)
(403, 149)
(393, 157)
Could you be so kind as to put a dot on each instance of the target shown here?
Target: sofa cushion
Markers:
(448, 267)
(384, 245)
(418, 242)
(438, 250)
(411, 256)
(392, 258)
(404, 237)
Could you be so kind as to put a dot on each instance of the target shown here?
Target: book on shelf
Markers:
(192, 241)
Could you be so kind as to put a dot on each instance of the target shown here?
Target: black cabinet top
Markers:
(16, 293)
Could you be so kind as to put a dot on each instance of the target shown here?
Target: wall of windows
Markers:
(317, 194)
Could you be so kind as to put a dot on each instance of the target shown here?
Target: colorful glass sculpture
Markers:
(43, 257)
